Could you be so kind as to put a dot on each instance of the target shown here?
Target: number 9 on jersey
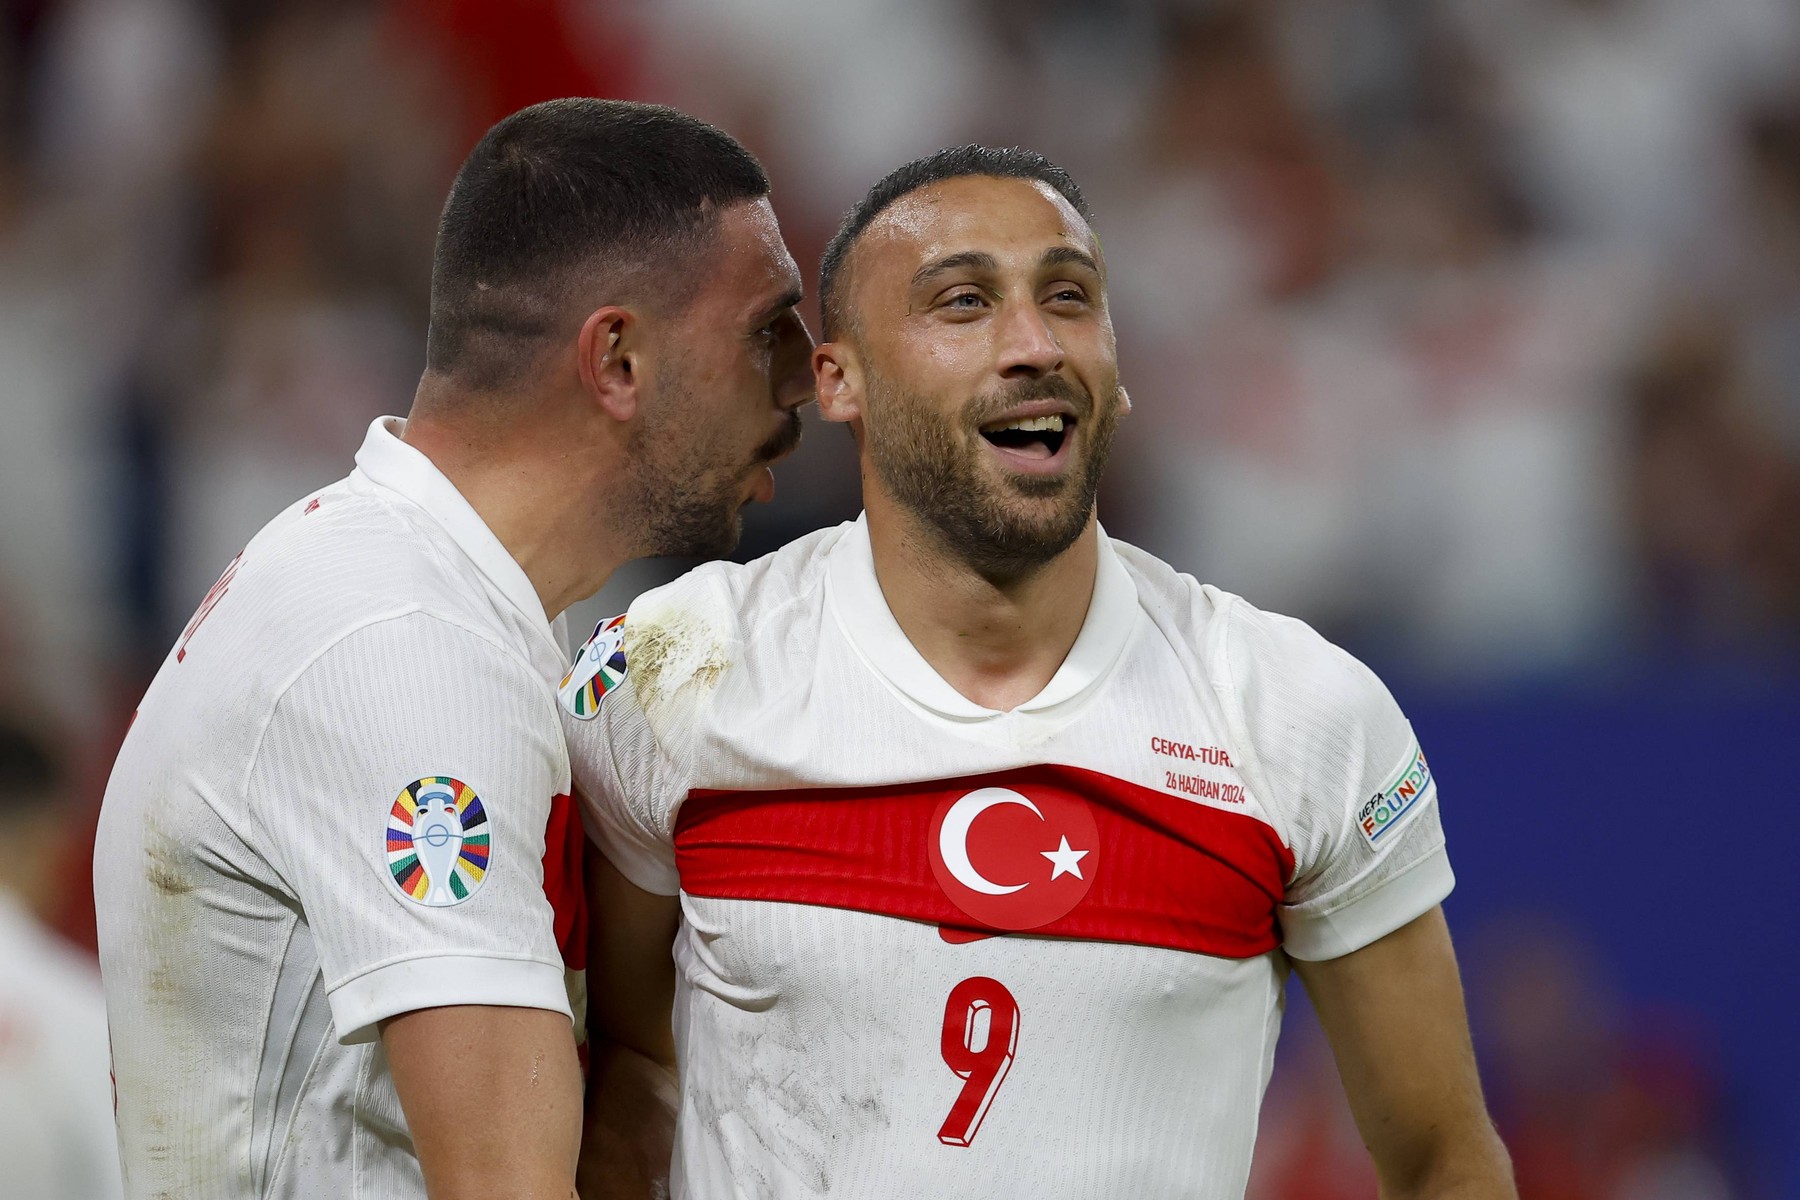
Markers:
(981, 1032)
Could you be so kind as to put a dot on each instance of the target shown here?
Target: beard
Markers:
(689, 495)
(932, 465)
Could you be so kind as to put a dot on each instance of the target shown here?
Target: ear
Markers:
(606, 353)
(1124, 401)
(837, 373)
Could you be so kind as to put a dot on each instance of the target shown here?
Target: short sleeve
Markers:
(1346, 780)
(629, 786)
(402, 792)
(634, 706)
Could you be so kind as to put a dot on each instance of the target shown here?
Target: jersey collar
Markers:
(869, 623)
(390, 463)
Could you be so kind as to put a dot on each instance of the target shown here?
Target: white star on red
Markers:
(1066, 860)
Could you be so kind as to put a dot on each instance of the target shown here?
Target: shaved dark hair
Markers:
(954, 163)
(596, 201)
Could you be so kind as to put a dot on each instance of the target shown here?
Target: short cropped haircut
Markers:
(610, 196)
(954, 163)
(31, 773)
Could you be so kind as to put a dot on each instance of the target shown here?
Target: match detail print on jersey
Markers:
(437, 841)
(1054, 850)
(598, 668)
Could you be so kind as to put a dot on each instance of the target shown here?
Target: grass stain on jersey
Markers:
(666, 653)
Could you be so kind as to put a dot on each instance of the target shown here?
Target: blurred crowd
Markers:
(1596, 1099)
(1467, 330)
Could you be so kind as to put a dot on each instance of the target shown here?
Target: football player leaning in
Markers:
(337, 871)
(984, 842)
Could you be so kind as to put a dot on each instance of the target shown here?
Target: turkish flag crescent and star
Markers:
(1054, 851)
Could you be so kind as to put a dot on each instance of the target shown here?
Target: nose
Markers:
(1028, 347)
(792, 369)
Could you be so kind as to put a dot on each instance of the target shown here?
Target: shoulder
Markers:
(696, 630)
(342, 558)
(1275, 660)
(1243, 645)
(338, 576)
(353, 555)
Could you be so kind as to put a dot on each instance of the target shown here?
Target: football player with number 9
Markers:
(963, 851)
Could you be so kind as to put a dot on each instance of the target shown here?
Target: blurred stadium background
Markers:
(1467, 330)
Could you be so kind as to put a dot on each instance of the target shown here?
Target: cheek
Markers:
(951, 361)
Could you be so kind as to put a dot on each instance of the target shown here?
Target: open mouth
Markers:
(1030, 437)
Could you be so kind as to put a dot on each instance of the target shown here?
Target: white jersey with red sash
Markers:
(930, 948)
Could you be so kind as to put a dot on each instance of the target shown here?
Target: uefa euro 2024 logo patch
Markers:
(437, 841)
(597, 670)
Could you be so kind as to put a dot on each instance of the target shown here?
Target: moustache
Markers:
(784, 440)
(996, 403)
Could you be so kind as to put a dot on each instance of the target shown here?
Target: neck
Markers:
(542, 493)
(996, 641)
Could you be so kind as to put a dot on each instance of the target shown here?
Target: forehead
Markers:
(750, 264)
(1011, 219)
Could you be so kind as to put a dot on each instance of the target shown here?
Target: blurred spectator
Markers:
(1468, 332)
(1596, 1101)
(55, 1098)
(1716, 495)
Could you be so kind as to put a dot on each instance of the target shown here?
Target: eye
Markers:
(967, 301)
(1067, 293)
(777, 326)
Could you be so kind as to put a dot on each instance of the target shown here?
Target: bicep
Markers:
(631, 973)
(522, 1063)
(1393, 1012)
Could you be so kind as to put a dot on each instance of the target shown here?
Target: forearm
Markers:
(628, 1134)
(1474, 1166)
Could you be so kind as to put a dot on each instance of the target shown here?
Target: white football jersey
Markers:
(55, 1101)
(345, 797)
(932, 949)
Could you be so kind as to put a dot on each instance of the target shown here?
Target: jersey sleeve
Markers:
(1346, 781)
(634, 707)
(629, 785)
(402, 791)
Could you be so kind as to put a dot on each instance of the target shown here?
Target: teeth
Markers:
(1050, 424)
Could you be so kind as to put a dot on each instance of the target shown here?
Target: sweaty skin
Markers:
(967, 290)
(970, 301)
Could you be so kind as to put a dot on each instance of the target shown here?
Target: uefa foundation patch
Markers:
(1388, 809)
(598, 669)
(437, 841)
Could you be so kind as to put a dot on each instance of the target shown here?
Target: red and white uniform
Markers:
(931, 949)
(344, 797)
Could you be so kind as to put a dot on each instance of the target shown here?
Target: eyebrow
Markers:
(981, 260)
(789, 299)
(1058, 255)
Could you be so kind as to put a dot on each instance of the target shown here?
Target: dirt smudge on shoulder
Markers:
(668, 651)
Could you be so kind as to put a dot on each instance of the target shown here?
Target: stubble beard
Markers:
(689, 496)
(932, 465)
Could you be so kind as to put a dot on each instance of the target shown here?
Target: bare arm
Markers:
(1393, 1012)
(633, 1094)
(521, 1062)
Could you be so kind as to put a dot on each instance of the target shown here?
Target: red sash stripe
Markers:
(1166, 871)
